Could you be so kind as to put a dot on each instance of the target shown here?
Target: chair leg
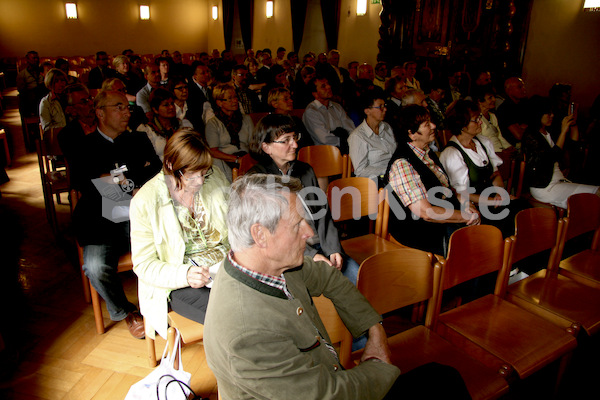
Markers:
(171, 333)
(97, 310)
(564, 363)
(86, 287)
(150, 345)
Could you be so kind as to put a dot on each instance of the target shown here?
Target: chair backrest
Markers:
(348, 167)
(536, 230)
(583, 213)
(337, 331)
(351, 198)
(257, 116)
(476, 251)
(246, 162)
(326, 160)
(398, 278)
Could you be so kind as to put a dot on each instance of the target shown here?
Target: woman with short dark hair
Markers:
(274, 144)
(164, 122)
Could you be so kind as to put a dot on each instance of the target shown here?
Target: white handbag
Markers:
(164, 382)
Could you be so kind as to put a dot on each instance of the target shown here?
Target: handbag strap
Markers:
(182, 386)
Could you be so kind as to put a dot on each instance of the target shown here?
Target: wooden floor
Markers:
(51, 349)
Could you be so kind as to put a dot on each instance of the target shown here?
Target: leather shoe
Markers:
(135, 323)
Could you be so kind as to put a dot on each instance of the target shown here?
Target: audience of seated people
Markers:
(391, 142)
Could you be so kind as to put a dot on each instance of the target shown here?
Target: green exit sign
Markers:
(375, 1)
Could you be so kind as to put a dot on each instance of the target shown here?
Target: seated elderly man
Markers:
(263, 335)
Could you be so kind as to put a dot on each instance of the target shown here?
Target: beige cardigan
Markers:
(157, 246)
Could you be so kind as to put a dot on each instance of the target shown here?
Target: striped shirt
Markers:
(278, 282)
(407, 183)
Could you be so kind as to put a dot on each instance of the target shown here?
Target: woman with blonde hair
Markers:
(228, 132)
(51, 110)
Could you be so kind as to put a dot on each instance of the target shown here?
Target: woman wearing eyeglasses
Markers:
(178, 232)
(472, 166)
(274, 144)
(164, 122)
(227, 133)
(372, 143)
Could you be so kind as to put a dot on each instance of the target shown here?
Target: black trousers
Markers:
(429, 381)
(190, 302)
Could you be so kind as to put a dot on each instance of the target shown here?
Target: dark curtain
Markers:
(298, 18)
(228, 11)
(330, 9)
(246, 10)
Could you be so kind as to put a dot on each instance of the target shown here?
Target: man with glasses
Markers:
(111, 146)
(80, 109)
(248, 98)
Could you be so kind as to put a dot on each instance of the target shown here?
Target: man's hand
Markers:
(320, 257)
(198, 277)
(377, 345)
(336, 261)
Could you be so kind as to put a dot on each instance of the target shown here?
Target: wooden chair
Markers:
(257, 117)
(90, 294)
(191, 332)
(246, 162)
(556, 298)
(6, 150)
(341, 195)
(404, 277)
(337, 331)
(30, 130)
(494, 331)
(55, 178)
(326, 161)
(583, 216)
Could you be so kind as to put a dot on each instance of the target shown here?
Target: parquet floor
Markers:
(51, 349)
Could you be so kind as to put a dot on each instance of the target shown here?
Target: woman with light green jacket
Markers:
(179, 233)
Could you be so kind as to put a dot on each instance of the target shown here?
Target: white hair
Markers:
(257, 199)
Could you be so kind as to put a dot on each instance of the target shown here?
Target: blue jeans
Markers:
(350, 269)
(100, 266)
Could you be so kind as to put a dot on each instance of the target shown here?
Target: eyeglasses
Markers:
(287, 141)
(119, 106)
(478, 119)
(181, 88)
(204, 175)
(230, 99)
(381, 107)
